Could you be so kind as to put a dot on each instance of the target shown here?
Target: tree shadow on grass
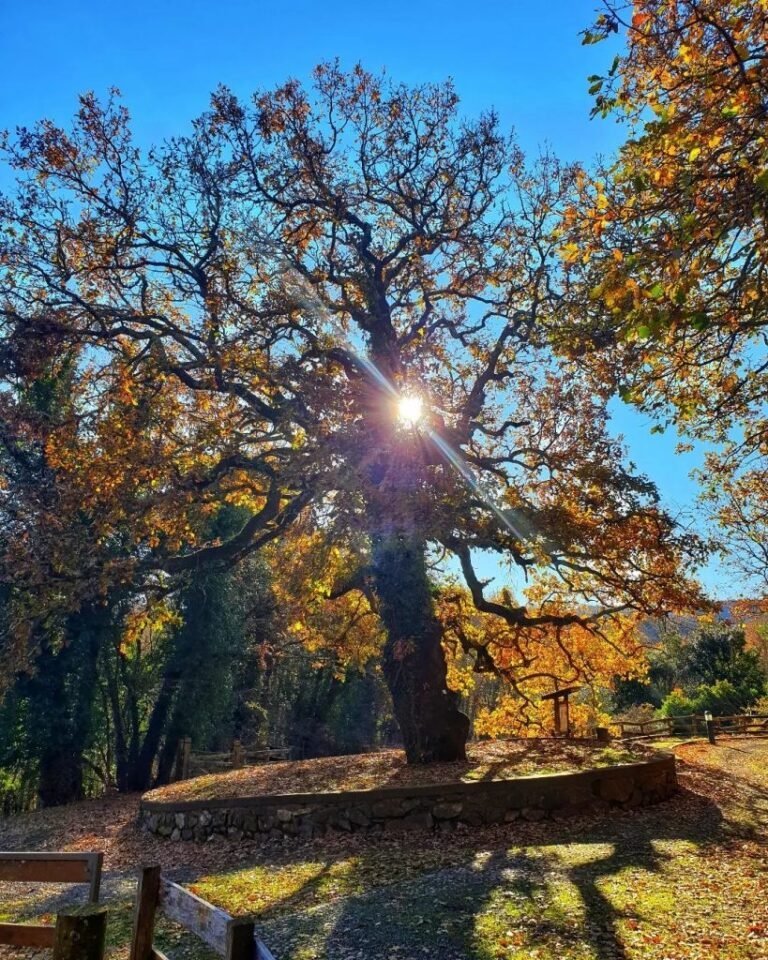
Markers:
(530, 888)
(526, 757)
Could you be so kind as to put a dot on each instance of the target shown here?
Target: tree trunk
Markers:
(139, 777)
(63, 692)
(432, 726)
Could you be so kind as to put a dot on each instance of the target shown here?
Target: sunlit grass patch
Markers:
(533, 919)
(266, 890)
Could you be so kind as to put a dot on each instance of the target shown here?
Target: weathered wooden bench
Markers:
(231, 938)
(46, 867)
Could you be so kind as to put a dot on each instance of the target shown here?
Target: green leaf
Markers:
(762, 181)
(656, 292)
(643, 331)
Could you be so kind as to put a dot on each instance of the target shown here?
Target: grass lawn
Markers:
(685, 879)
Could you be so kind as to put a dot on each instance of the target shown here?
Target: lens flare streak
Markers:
(461, 465)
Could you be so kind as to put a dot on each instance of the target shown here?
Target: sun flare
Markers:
(410, 409)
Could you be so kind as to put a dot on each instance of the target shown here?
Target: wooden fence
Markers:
(24, 867)
(229, 938)
(693, 725)
(191, 763)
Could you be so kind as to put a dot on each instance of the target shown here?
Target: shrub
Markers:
(677, 704)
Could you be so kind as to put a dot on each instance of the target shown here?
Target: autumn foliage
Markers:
(232, 318)
(665, 247)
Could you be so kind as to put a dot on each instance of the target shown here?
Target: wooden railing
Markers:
(195, 764)
(228, 937)
(746, 723)
(46, 867)
(691, 725)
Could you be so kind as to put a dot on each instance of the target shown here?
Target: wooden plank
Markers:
(158, 954)
(45, 868)
(27, 935)
(147, 894)
(202, 918)
(45, 855)
(262, 952)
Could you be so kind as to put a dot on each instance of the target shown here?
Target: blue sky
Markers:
(522, 58)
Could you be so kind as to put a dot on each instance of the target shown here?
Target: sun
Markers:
(410, 409)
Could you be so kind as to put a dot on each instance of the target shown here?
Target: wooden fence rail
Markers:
(230, 938)
(192, 764)
(691, 725)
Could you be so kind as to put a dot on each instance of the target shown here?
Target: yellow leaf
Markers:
(570, 252)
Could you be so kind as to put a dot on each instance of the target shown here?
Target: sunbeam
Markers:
(410, 407)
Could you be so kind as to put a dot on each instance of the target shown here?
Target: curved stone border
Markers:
(396, 809)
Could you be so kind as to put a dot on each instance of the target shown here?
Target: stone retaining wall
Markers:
(399, 809)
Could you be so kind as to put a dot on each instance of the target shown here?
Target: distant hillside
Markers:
(752, 613)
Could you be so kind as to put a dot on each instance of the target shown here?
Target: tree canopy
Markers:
(241, 312)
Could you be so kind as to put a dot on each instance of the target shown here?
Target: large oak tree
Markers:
(261, 294)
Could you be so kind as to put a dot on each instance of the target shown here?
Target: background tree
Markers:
(666, 247)
(281, 279)
(676, 275)
(707, 667)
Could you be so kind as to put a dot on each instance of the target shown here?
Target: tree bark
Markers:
(432, 726)
(63, 690)
(140, 775)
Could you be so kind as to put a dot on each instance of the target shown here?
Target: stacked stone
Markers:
(402, 809)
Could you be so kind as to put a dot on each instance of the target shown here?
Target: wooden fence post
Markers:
(80, 934)
(240, 945)
(238, 756)
(147, 894)
(182, 758)
(96, 863)
(709, 723)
